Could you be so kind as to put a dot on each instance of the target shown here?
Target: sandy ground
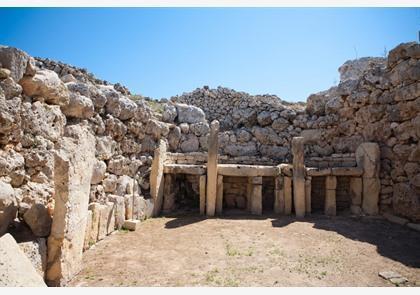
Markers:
(253, 251)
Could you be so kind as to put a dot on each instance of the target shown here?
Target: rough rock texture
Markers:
(8, 208)
(16, 269)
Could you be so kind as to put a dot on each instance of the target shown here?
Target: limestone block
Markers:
(38, 219)
(156, 177)
(219, 196)
(330, 195)
(278, 195)
(371, 190)
(103, 222)
(308, 198)
(137, 206)
(212, 169)
(287, 195)
(95, 209)
(298, 176)
(202, 187)
(128, 201)
(256, 195)
(36, 251)
(8, 206)
(356, 188)
(16, 269)
(86, 244)
(132, 225)
(330, 183)
(73, 165)
(111, 217)
(368, 158)
(119, 209)
(168, 193)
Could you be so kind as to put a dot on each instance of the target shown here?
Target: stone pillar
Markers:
(287, 195)
(368, 158)
(356, 188)
(168, 193)
(298, 176)
(202, 187)
(278, 195)
(213, 147)
(157, 178)
(256, 196)
(308, 198)
(249, 194)
(330, 197)
(219, 198)
(73, 166)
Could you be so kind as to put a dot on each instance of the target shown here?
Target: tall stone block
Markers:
(287, 195)
(308, 191)
(368, 158)
(110, 226)
(202, 188)
(256, 197)
(356, 189)
(278, 195)
(73, 166)
(156, 177)
(213, 147)
(330, 195)
(219, 196)
(86, 244)
(168, 193)
(95, 208)
(298, 176)
(119, 210)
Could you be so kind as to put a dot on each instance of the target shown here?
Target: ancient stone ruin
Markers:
(81, 158)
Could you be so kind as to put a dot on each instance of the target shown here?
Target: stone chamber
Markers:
(81, 158)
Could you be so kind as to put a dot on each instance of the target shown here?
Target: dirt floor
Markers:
(249, 251)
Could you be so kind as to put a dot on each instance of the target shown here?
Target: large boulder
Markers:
(190, 144)
(10, 88)
(189, 114)
(403, 51)
(169, 113)
(243, 149)
(8, 206)
(10, 120)
(354, 69)
(46, 84)
(10, 161)
(98, 173)
(16, 269)
(39, 220)
(79, 107)
(15, 60)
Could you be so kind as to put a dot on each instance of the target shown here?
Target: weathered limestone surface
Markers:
(73, 171)
(279, 195)
(168, 193)
(16, 269)
(219, 196)
(94, 231)
(330, 195)
(256, 195)
(212, 169)
(86, 243)
(287, 195)
(298, 176)
(356, 190)
(8, 206)
(36, 251)
(157, 178)
(308, 197)
(202, 188)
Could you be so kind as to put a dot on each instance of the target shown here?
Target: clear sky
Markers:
(161, 52)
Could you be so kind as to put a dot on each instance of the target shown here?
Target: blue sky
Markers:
(160, 52)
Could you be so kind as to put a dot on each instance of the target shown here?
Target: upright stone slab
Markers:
(219, 197)
(95, 208)
(73, 166)
(308, 192)
(278, 195)
(287, 195)
(298, 176)
(168, 193)
(356, 189)
(368, 158)
(86, 244)
(16, 270)
(249, 187)
(156, 177)
(103, 221)
(256, 197)
(119, 210)
(330, 195)
(110, 226)
(128, 202)
(202, 187)
(213, 147)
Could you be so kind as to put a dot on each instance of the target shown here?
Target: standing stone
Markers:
(103, 222)
(219, 197)
(95, 208)
(110, 226)
(168, 193)
(16, 270)
(202, 194)
(249, 194)
(287, 195)
(73, 165)
(330, 195)
(368, 158)
(308, 192)
(212, 168)
(38, 219)
(256, 196)
(298, 176)
(86, 244)
(128, 201)
(156, 177)
(119, 209)
(278, 195)
(356, 188)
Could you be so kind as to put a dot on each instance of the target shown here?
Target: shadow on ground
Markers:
(391, 240)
